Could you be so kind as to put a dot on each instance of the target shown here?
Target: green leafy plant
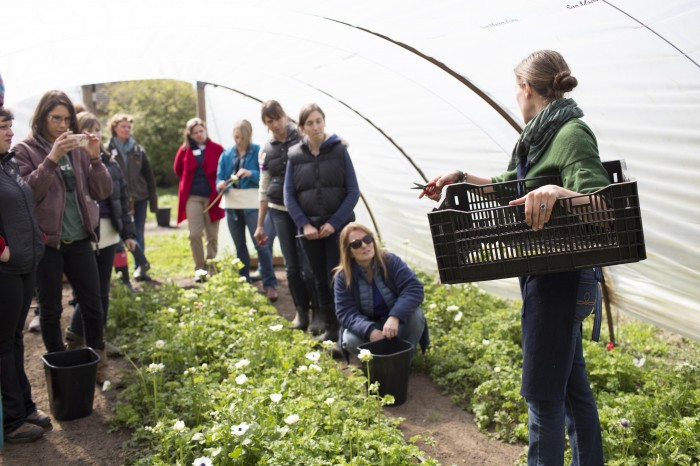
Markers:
(220, 377)
(647, 388)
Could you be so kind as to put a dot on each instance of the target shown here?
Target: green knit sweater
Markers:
(572, 155)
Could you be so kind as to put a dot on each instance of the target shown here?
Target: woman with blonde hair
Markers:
(377, 295)
(239, 177)
(196, 163)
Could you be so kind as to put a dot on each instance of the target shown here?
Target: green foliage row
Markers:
(647, 388)
(219, 379)
(160, 108)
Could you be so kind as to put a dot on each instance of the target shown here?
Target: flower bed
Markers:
(647, 387)
(219, 379)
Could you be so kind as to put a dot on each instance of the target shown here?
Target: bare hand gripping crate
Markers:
(478, 236)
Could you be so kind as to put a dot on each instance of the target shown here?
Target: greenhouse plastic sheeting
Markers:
(416, 88)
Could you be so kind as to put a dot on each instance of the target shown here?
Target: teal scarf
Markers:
(538, 133)
(124, 148)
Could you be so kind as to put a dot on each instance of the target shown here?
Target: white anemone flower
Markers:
(292, 419)
(179, 426)
(329, 401)
(276, 397)
(458, 317)
(241, 379)
(202, 461)
(313, 356)
(365, 355)
(198, 437)
(106, 386)
(154, 368)
(276, 328)
(302, 368)
(160, 344)
(242, 363)
(328, 344)
(240, 429)
(485, 342)
(452, 307)
(315, 368)
(639, 362)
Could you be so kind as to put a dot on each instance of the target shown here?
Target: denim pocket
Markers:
(588, 296)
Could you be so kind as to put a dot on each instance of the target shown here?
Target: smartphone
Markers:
(81, 138)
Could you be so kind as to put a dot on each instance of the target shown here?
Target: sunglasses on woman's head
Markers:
(367, 239)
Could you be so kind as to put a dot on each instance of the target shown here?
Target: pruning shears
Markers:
(429, 188)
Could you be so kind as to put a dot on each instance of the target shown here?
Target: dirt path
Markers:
(447, 433)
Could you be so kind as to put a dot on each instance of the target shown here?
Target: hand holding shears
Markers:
(432, 189)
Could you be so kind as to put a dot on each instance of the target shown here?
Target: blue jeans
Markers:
(140, 208)
(293, 258)
(578, 411)
(411, 331)
(238, 220)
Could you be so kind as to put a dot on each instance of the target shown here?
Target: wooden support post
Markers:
(608, 313)
(201, 105)
(89, 97)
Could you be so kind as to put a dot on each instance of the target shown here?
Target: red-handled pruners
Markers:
(430, 188)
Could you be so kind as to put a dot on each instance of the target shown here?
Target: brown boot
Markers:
(103, 373)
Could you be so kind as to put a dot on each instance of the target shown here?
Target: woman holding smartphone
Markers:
(66, 182)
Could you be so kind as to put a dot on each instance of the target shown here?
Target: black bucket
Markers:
(390, 366)
(163, 217)
(70, 381)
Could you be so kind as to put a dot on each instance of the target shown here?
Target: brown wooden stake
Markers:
(608, 313)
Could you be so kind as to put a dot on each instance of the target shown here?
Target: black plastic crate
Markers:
(477, 236)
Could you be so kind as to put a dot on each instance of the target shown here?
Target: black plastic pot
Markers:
(70, 381)
(163, 217)
(390, 366)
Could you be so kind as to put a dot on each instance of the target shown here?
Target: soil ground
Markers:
(448, 433)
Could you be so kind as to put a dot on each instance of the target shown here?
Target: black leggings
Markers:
(16, 292)
(77, 261)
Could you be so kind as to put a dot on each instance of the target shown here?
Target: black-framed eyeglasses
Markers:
(357, 244)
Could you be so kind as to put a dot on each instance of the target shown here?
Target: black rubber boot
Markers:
(301, 320)
(330, 326)
(318, 322)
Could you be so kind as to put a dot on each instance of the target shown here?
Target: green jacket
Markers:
(573, 155)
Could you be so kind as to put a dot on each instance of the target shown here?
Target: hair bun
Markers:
(564, 82)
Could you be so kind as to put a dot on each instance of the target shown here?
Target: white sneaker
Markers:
(35, 325)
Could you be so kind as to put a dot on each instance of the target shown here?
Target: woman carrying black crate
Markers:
(555, 142)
